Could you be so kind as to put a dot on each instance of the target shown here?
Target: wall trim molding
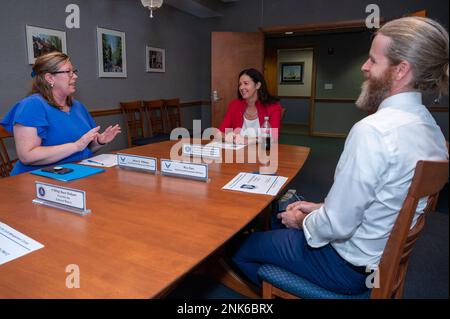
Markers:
(104, 112)
(435, 109)
(290, 97)
(329, 134)
(438, 109)
(337, 100)
(116, 111)
(315, 27)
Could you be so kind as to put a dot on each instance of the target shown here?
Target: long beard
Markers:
(374, 91)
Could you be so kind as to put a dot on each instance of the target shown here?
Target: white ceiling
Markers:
(200, 8)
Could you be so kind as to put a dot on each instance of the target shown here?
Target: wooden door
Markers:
(231, 52)
(421, 13)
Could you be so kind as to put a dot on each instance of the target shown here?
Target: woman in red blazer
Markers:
(245, 115)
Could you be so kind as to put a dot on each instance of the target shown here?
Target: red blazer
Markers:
(234, 118)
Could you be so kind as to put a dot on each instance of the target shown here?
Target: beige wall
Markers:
(296, 55)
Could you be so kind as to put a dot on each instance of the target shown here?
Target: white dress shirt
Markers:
(372, 179)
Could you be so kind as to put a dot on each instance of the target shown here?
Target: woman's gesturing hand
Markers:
(87, 138)
(109, 134)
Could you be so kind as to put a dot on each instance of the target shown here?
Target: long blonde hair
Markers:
(422, 42)
(48, 63)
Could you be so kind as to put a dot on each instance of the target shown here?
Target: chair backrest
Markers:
(173, 114)
(429, 178)
(134, 120)
(6, 164)
(155, 116)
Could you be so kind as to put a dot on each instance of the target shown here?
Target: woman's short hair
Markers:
(48, 63)
(422, 42)
(263, 95)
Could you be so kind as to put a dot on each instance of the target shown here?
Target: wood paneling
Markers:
(271, 70)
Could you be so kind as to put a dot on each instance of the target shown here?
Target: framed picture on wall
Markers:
(111, 51)
(155, 59)
(41, 41)
(292, 72)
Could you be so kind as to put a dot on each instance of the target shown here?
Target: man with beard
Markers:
(332, 243)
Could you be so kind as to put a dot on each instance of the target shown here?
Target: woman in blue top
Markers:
(50, 126)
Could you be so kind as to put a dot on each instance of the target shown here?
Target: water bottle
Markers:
(266, 133)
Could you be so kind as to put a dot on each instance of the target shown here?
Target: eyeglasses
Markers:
(69, 72)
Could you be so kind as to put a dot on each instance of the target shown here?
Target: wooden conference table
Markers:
(145, 231)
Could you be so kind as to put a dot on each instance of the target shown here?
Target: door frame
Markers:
(272, 77)
(303, 29)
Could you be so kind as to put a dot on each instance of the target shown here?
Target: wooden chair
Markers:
(134, 122)
(434, 208)
(173, 114)
(429, 178)
(156, 115)
(6, 164)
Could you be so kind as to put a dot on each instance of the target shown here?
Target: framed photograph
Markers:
(112, 56)
(292, 72)
(155, 59)
(41, 41)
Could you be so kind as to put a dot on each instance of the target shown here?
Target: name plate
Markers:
(201, 150)
(197, 171)
(65, 198)
(142, 163)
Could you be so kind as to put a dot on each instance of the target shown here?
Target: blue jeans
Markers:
(288, 249)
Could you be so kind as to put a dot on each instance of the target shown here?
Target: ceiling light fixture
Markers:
(152, 5)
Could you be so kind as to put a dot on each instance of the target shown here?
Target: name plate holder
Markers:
(199, 150)
(195, 171)
(137, 163)
(68, 199)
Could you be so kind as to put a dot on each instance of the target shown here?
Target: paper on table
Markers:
(14, 244)
(227, 146)
(102, 160)
(256, 183)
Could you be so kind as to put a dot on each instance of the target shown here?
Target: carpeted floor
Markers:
(428, 271)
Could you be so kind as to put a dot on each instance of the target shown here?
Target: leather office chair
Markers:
(6, 164)
(429, 178)
(156, 115)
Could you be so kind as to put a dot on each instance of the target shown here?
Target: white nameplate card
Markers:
(202, 151)
(141, 163)
(14, 244)
(227, 146)
(69, 199)
(198, 171)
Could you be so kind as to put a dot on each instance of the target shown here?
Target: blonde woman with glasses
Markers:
(50, 127)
